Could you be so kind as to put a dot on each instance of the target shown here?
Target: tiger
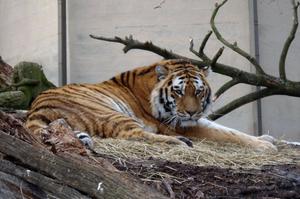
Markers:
(165, 102)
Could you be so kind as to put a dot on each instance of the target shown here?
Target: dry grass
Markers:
(204, 153)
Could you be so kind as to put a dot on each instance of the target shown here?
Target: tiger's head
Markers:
(181, 95)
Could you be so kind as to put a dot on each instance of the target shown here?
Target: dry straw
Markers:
(204, 153)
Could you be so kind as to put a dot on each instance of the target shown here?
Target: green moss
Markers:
(28, 82)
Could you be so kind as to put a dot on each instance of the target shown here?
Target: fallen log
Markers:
(42, 183)
(95, 182)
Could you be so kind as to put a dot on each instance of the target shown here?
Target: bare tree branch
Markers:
(273, 85)
(216, 57)
(225, 87)
(201, 53)
(288, 41)
(203, 44)
(233, 46)
(242, 101)
(131, 43)
(264, 80)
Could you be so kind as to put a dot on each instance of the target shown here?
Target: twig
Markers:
(201, 53)
(131, 43)
(21, 190)
(288, 41)
(241, 101)
(160, 4)
(169, 188)
(225, 87)
(216, 57)
(233, 46)
(203, 44)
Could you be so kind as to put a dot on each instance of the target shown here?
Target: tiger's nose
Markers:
(191, 113)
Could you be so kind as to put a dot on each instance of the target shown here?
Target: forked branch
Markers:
(288, 41)
(201, 54)
(233, 46)
(272, 85)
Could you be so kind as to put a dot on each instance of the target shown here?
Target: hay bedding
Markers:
(209, 170)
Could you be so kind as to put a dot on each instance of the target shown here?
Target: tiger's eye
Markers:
(178, 92)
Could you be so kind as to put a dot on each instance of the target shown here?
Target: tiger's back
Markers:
(89, 107)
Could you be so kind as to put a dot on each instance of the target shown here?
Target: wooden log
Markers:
(95, 182)
(43, 183)
(12, 126)
(14, 187)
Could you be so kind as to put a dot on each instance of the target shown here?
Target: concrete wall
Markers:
(170, 26)
(280, 114)
(29, 31)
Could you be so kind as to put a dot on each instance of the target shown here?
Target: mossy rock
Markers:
(28, 81)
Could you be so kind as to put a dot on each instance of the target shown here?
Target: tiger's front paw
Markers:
(85, 139)
(268, 138)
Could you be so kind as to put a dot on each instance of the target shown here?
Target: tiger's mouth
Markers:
(183, 121)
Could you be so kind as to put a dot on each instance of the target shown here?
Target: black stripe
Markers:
(123, 80)
(114, 79)
(208, 99)
(145, 71)
(167, 103)
(161, 100)
(193, 77)
(127, 77)
(159, 115)
(133, 77)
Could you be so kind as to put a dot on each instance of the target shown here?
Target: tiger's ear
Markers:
(206, 70)
(161, 72)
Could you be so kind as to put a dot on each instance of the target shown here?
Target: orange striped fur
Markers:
(158, 103)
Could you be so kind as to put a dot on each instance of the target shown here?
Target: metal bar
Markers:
(254, 29)
(62, 42)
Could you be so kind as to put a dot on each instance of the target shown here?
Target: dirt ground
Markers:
(187, 181)
(260, 175)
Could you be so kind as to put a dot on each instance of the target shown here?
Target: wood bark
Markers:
(95, 182)
(56, 165)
